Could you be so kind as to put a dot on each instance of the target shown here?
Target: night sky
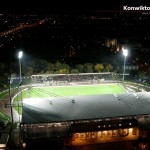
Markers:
(57, 6)
(72, 31)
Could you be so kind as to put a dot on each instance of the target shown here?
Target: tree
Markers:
(88, 68)
(50, 68)
(42, 65)
(79, 67)
(61, 68)
(29, 71)
(99, 67)
(74, 71)
(109, 67)
(65, 66)
(57, 66)
(62, 71)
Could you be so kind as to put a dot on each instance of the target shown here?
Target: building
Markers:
(93, 119)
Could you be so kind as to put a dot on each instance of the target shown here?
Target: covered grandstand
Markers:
(57, 109)
(65, 118)
(58, 79)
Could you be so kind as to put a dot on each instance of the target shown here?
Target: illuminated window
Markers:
(76, 135)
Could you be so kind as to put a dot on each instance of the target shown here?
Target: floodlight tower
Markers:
(11, 110)
(125, 53)
(20, 54)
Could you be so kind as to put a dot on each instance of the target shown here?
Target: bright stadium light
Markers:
(20, 54)
(125, 53)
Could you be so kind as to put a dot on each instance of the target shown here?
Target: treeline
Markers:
(41, 66)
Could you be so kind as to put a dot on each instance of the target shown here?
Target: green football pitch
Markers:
(39, 92)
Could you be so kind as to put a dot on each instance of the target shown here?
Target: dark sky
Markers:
(60, 6)
(41, 39)
(49, 6)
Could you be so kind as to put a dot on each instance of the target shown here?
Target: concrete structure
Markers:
(86, 119)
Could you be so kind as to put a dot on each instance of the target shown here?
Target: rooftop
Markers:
(59, 109)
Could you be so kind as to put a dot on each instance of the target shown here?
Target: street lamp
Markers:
(125, 53)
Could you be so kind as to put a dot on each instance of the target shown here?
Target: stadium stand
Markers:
(61, 79)
(95, 115)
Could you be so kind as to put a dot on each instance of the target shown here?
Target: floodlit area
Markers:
(47, 104)
(56, 91)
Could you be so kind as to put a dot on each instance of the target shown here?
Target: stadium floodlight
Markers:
(20, 54)
(11, 110)
(125, 53)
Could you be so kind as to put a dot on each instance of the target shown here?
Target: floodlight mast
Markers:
(20, 54)
(11, 110)
(125, 53)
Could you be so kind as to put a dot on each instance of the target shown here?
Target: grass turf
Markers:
(74, 90)
(62, 91)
